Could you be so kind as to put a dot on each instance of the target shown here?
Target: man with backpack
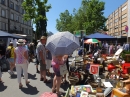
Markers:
(10, 57)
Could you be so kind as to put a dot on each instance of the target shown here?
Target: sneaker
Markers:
(12, 72)
(9, 72)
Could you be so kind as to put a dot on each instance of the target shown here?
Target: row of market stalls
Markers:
(115, 83)
(100, 36)
(7, 37)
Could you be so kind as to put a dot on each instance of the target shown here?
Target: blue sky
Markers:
(59, 6)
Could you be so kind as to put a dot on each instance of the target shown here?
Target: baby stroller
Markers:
(4, 64)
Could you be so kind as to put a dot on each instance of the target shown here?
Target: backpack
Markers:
(8, 53)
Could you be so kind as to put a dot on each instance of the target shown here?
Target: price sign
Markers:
(94, 69)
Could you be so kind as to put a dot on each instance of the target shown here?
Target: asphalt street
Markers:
(10, 87)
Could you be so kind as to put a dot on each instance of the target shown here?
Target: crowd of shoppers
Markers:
(20, 58)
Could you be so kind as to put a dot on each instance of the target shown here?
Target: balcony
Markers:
(15, 31)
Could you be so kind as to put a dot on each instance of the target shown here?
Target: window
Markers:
(116, 13)
(123, 32)
(116, 27)
(26, 31)
(124, 24)
(3, 2)
(3, 14)
(22, 29)
(3, 26)
(29, 23)
(12, 5)
(22, 11)
(116, 20)
(124, 16)
(110, 18)
(17, 7)
(12, 16)
(116, 33)
(124, 8)
(119, 18)
(17, 18)
(22, 21)
(30, 32)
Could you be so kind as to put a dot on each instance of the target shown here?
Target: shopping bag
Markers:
(48, 94)
(63, 69)
(48, 64)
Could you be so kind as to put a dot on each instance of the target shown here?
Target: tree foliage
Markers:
(36, 10)
(65, 21)
(88, 17)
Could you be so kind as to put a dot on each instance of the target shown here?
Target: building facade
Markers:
(11, 18)
(117, 22)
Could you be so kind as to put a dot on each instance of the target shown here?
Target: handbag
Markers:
(63, 69)
(24, 57)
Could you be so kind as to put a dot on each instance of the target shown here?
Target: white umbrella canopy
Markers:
(62, 43)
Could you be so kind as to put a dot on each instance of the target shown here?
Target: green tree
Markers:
(64, 23)
(88, 17)
(36, 10)
(94, 15)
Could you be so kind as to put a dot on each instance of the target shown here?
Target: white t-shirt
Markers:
(40, 47)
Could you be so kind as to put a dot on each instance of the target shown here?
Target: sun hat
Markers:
(20, 41)
(38, 40)
(11, 42)
(43, 37)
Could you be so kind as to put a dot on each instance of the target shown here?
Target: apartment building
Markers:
(11, 18)
(118, 21)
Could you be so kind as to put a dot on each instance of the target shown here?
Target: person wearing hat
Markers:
(11, 58)
(42, 57)
(21, 61)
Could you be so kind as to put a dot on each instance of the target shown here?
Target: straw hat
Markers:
(20, 41)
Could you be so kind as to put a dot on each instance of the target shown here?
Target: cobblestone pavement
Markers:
(10, 87)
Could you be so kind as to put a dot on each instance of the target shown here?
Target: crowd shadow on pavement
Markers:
(30, 90)
(33, 77)
(65, 86)
(2, 87)
(14, 76)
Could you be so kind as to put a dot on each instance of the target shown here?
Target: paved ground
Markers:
(10, 86)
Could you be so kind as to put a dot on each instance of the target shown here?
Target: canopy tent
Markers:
(99, 36)
(8, 35)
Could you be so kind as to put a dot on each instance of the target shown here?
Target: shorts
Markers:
(56, 71)
(37, 61)
(11, 60)
(42, 66)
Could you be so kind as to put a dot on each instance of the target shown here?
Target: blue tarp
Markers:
(100, 36)
(5, 34)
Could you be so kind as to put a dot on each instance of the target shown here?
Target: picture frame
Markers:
(92, 95)
(100, 95)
